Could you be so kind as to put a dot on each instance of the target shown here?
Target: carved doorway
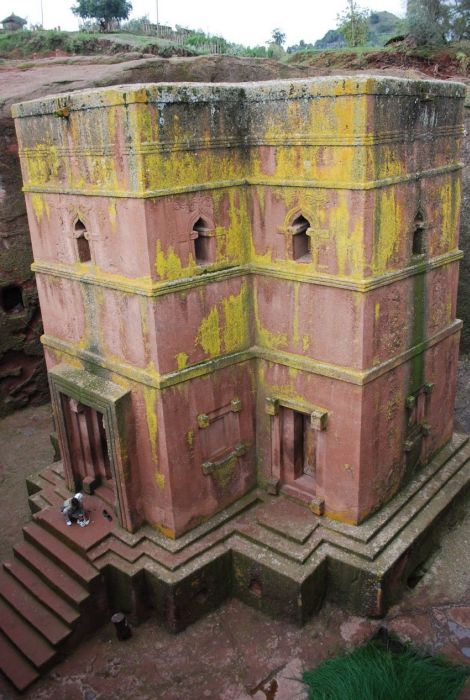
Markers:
(298, 458)
(296, 442)
(95, 424)
(88, 444)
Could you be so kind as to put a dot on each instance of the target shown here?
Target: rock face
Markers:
(22, 372)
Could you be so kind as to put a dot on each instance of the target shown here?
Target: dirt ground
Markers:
(25, 448)
(236, 653)
(35, 77)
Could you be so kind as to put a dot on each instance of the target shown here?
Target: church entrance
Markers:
(88, 448)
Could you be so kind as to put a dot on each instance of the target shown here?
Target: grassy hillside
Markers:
(443, 62)
(25, 43)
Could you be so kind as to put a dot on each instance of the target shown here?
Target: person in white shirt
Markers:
(74, 511)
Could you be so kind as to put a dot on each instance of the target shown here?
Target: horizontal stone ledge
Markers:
(358, 377)
(156, 289)
(247, 181)
(250, 92)
(249, 141)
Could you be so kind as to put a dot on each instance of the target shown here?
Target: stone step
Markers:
(130, 554)
(49, 475)
(42, 592)
(37, 502)
(107, 496)
(61, 494)
(51, 573)
(42, 493)
(31, 610)
(76, 566)
(34, 484)
(75, 538)
(31, 644)
(58, 469)
(50, 497)
(14, 665)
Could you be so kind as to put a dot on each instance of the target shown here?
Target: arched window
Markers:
(83, 244)
(204, 244)
(300, 239)
(418, 247)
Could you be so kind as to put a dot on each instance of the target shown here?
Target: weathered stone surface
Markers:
(222, 186)
(22, 371)
(250, 285)
(52, 76)
(289, 519)
(23, 377)
(253, 647)
(463, 306)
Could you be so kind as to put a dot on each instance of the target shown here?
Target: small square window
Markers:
(204, 244)
(300, 240)
(83, 244)
(418, 241)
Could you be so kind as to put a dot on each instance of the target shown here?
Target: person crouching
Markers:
(74, 511)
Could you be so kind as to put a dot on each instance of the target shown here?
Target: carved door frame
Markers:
(113, 403)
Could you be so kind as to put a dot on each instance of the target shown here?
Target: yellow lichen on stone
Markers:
(169, 267)
(160, 480)
(40, 205)
(240, 228)
(164, 530)
(388, 225)
(449, 195)
(264, 337)
(349, 238)
(223, 475)
(149, 396)
(181, 360)
(208, 336)
(42, 165)
(236, 313)
(377, 312)
(389, 164)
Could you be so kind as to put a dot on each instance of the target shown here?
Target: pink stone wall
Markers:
(217, 348)
(116, 228)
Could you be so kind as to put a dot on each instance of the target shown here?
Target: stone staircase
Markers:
(271, 552)
(50, 597)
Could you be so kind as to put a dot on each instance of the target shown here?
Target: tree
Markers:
(301, 46)
(428, 20)
(353, 24)
(460, 19)
(105, 11)
(277, 37)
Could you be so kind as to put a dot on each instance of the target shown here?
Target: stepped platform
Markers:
(270, 551)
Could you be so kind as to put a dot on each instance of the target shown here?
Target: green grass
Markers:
(375, 672)
(44, 42)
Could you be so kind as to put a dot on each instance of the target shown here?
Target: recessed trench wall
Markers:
(22, 370)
